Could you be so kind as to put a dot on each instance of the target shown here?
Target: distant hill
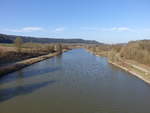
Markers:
(10, 39)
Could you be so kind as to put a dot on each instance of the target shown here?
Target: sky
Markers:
(108, 21)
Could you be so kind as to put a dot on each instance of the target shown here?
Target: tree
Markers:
(58, 48)
(50, 48)
(18, 44)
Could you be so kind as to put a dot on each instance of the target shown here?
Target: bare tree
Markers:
(18, 44)
(58, 48)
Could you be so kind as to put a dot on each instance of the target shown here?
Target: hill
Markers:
(10, 38)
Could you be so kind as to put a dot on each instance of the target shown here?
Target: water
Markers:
(76, 82)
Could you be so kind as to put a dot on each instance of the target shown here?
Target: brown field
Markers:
(6, 49)
(9, 54)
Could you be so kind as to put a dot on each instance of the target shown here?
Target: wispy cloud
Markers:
(121, 29)
(90, 28)
(29, 29)
(26, 29)
(59, 29)
(108, 29)
(36, 29)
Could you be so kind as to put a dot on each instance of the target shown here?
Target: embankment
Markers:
(19, 65)
(142, 75)
(137, 71)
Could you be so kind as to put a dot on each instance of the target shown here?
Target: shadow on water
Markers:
(58, 59)
(8, 93)
(29, 73)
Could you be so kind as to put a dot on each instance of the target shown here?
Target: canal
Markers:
(75, 82)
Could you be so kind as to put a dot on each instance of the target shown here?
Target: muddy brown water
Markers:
(75, 82)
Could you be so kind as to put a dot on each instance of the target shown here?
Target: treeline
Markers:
(138, 51)
(99, 49)
(19, 50)
(135, 50)
(48, 48)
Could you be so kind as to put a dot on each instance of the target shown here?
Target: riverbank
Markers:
(24, 63)
(104, 53)
(138, 71)
(9, 53)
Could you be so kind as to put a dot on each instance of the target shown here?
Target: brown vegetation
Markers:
(138, 51)
(101, 49)
(58, 48)
(18, 44)
(25, 57)
(10, 53)
(19, 65)
(133, 57)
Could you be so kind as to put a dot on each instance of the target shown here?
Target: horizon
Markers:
(71, 39)
(104, 21)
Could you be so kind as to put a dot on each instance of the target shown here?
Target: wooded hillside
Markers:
(10, 39)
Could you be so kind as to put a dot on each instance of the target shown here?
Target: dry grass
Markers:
(30, 53)
(6, 49)
(19, 65)
(9, 54)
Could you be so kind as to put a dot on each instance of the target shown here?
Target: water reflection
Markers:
(87, 84)
(8, 93)
(58, 60)
(21, 74)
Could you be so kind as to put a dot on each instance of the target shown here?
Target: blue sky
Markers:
(109, 21)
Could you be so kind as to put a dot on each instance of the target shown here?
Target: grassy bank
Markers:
(24, 63)
(137, 69)
(29, 53)
(9, 53)
(145, 76)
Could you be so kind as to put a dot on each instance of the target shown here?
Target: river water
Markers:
(75, 82)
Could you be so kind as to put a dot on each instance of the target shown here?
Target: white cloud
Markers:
(26, 29)
(29, 29)
(108, 29)
(36, 29)
(90, 28)
(121, 29)
(60, 29)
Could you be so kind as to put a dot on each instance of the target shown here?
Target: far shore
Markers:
(24, 63)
